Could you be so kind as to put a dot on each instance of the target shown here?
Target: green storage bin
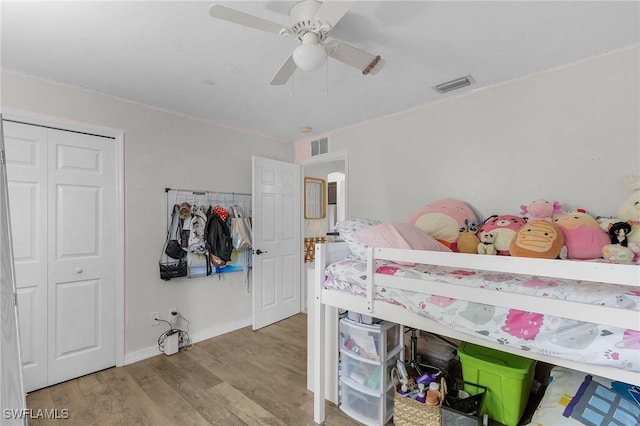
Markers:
(507, 377)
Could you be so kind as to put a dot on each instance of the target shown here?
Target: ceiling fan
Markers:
(310, 21)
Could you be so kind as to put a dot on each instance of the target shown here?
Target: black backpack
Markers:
(218, 239)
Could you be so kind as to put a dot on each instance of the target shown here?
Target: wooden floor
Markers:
(240, 378)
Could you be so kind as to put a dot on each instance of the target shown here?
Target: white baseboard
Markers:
(140, 355)
(198, 336)
(220, 329)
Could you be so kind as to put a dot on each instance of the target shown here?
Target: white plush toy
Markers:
(630, 208)
(486, 244)
(616, 253)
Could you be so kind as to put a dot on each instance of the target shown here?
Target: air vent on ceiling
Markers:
(319, 146)
(458, 83)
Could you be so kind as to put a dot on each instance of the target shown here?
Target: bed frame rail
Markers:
(611, 273)
(628, 275)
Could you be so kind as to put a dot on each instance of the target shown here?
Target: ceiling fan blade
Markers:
(332, 11)
(232, 15)
(365, 62)
(285, 72)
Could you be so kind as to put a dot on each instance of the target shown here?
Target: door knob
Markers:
(79, 270)
(259, 252)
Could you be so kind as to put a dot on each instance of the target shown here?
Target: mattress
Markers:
(529, 331)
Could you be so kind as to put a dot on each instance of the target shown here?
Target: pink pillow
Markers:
(400, 236)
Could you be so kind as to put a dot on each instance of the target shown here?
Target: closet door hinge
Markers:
(15, 299)
(2, 158)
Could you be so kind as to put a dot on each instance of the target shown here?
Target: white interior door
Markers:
(82, 220)
(27, 174)
(12, 395)
(63, 192)
(276, 241)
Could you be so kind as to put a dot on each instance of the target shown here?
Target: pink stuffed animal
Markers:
(541, 210)
(442, 219)
(504, 228)
(582, 235)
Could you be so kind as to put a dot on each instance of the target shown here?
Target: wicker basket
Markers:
(409, 412)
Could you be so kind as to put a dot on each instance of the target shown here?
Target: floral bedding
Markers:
(542, 334)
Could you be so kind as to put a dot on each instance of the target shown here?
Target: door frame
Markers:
(118, 139)
(312, 161)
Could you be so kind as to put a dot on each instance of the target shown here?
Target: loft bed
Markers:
(619, 319)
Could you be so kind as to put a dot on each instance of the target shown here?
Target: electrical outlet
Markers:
(173, 318)
(153, 319)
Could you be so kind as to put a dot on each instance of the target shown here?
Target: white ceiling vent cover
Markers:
(319, 146)
(458, 83)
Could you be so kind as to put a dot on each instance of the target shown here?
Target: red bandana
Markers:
(220, 211)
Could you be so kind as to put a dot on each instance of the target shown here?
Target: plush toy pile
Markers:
(543, 230)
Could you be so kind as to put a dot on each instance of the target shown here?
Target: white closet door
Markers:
(81, 216)
(26, 148)
(12, 395)
(62, 189)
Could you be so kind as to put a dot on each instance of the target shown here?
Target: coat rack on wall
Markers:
(241, 201)
(208, 198)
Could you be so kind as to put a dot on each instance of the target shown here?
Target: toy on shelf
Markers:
(619, 232)
(487, 243)
(468, 240)
(540, 239)
(540, 210)
(616, 253)
(442, 219)
(503, 228)
(624, 230)
(630, 208)
(582, 234)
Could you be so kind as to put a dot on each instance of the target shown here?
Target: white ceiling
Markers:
(173, 55)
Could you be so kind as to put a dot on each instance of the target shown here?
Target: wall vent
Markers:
(319, 146)
(458, 83)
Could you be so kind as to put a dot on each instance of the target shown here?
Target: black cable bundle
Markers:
(183, 336)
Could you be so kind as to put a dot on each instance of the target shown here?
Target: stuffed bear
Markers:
(486, 244)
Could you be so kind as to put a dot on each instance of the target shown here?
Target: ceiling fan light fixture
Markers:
(309, 57)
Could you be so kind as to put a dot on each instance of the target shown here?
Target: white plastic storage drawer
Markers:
(368, 341)
(373, 375)
(365, 407)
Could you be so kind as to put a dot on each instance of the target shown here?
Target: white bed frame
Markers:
(589, 271)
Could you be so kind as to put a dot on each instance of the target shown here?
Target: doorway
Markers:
(333, 168)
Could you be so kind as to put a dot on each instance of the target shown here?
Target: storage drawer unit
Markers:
(366, 406)
(370, 374)
(368, 353)
(370, 341)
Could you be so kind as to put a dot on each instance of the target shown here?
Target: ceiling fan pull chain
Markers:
(291, 93)
(326, 80)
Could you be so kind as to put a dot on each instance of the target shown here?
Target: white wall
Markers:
(161, 150)
(567, 134)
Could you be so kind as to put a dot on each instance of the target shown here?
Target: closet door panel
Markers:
(26, 148)
(82, 263)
